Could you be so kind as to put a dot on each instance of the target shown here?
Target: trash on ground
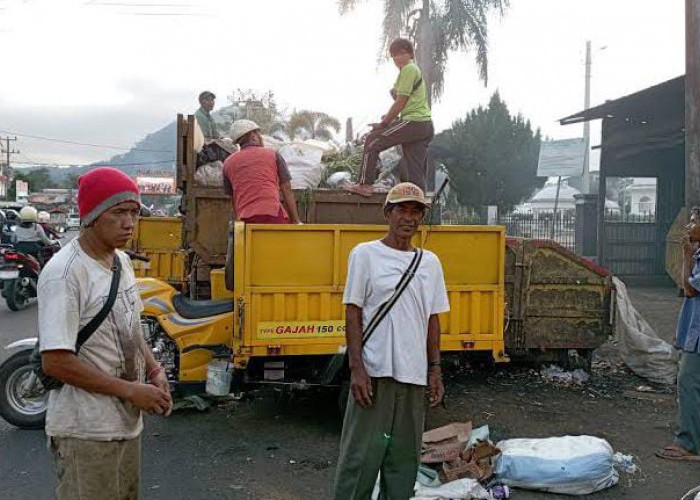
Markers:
(499, 492)
(640, 347)
(463, 489)
(571, 465)
(557, 375)
(191, 402)
(445, 443)
(625, 463)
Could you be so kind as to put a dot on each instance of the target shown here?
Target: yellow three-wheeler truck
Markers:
(284, 320)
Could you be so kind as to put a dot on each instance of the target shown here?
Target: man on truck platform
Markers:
(254, 177)
(400, 291)
(203, 115)
(413, 131)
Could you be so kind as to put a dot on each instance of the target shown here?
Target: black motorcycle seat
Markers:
(196, 309)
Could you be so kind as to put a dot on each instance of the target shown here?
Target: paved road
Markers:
(271, 449)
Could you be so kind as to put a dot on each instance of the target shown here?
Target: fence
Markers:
(544, 226)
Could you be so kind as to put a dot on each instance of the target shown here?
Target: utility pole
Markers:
(692, 103)
(586, 179)
(5, 169)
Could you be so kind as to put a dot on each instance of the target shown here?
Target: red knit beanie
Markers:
(101, 189)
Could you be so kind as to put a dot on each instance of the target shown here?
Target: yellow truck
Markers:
(284, 320)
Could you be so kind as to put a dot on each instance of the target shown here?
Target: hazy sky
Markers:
(112, 71)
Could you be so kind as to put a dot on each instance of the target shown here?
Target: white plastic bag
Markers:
(570, 465)
(304, 162)
(640, 347)
(210, 174)
(462, 489)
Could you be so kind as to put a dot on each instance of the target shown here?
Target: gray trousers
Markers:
(414, 138)
(688, 435)
(385, 437)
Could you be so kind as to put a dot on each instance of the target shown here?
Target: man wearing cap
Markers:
(94, 420)
(255, 176)
(391, 368)
(203, 115)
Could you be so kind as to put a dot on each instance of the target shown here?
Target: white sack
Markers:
(304, 162)
(210, 174)
(462, 489)
(640, 347)
(570, 465)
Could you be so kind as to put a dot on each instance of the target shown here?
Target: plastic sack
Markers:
(570, 465)
(640, 347)
(304, 162)
(210, 174)
(463, 489)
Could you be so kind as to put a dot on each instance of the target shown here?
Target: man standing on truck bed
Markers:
(413, 131)
(254, 177)
(393, 296)
(203, 115)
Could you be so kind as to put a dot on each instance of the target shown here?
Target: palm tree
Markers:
(437, 27)
(314, 124)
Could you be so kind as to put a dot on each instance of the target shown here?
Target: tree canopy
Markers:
(491, 156)
(308, 124)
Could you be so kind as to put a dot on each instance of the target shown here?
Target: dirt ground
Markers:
(280, 448)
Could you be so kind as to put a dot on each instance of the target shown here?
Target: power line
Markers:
(62, 141)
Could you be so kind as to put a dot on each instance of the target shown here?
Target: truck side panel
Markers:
(294, 278)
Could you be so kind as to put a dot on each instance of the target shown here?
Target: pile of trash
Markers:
(460, 462)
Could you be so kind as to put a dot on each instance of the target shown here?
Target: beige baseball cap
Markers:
(405, 191)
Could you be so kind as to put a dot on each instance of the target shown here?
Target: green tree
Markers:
(491, 156)
(70, 181)
(436, 28)
(309, 124)
(37, 179)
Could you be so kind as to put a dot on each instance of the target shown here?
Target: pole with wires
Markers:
(5, 168)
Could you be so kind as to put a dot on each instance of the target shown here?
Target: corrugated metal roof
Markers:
(670, 93)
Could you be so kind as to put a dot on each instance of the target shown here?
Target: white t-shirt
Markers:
(398, 346)
(72, 289)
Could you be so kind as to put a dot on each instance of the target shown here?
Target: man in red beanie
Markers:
(94, 420)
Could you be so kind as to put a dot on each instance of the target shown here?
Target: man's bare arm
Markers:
(395, 110)
(289, 201)
(68, 368)
(360, 381)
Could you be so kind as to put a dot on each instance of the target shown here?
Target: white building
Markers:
(640, 196)
(543, 201)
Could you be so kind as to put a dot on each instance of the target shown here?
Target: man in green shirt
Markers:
(413, 130)
(203, 115)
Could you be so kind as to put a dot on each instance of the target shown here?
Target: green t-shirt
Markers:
(417, 108)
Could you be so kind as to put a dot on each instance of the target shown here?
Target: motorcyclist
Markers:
(44, 218)
(29, 231)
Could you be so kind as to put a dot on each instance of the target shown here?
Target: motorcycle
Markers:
(19, 271)
(23, 399)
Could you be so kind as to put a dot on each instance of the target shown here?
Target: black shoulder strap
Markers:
(417, 85)
(384, 309)
(86, 331)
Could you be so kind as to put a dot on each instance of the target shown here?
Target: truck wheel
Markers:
(16, 300)
(26, 411)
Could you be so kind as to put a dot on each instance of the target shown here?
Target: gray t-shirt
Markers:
(71, 291)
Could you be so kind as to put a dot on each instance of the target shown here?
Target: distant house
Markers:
(544, 200)
(640, 196)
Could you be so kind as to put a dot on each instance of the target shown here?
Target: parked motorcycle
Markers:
(19, 271)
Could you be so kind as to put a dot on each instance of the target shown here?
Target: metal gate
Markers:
(632, 245)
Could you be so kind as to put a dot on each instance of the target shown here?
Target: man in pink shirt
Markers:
(254, 177)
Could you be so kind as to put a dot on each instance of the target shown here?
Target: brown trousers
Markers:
(414, 139)
(99, 470)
